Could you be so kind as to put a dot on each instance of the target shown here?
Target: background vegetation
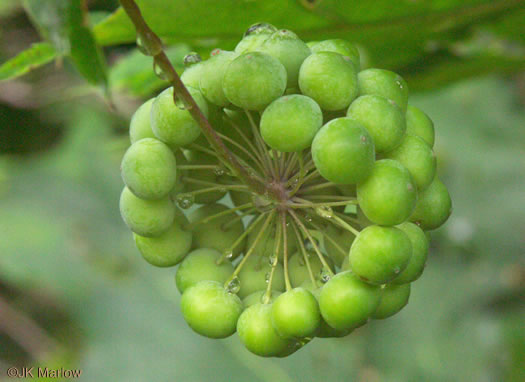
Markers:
(74, 292)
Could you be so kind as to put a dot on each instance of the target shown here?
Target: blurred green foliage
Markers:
(68, 262)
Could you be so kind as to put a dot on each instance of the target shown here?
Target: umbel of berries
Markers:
(336, 231)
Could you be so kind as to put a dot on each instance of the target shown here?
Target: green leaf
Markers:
(134, 72)
(37, 55)
(393, 35)
(84, 51)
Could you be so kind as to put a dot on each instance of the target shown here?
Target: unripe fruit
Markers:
(140, 125)
(394, 298)
(418, 123)
(340, 46)
(149, 169)
(433, 206)
(419, 242)
(210, 310)
(384, 83)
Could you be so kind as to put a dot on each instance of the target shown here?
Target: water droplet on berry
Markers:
(325, 212)
(228, 254)
(185, 201)
(325, 275)
(159, 72)
(273, 259)
(260, 28)
(180, 104)
(192, 58)
(234, 285)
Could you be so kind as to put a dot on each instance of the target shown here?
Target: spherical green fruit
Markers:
(325, 330)
(433, 206)
(215, 233)
(420, 124)
(192, 75)
(172, 124)
(290, 123)
(384, 83)
(149, 169)
(200, 265)
(342, 238)
(257, 297)
(212, 74)
(418, 259)
(146, 217)
(298, 269)
(383, 119)
(343, 151)
(210, 310)
(394, 298)
(379, 254)
(345, 301)
(295, 314)
(340, 46)
(257, 333)
(255, 274)
(253, 80)
(255, 37)
(291, 51)
(388, 196)
(329, 79)
(170, 247)
(140, 125)
(419, 159)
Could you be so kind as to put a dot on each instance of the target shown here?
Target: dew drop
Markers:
(399, 84)
(185, 201)
(325, 275)
(272, 260)
(267, 277)
(234, 285)
(142, 47)
(325, 212)
(159, 72)
(228, 254)
(192, 58)
(180, 103)
(260, 28)
(397, 270)
(308, 217)
(219, 171)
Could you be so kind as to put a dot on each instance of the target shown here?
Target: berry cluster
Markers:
(349, 180)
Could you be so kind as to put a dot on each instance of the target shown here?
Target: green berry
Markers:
(290, 123)
(383, 119)
(295, 314)
(418, 259)
(419, 159)
(146, 217)
(255, 274)
(379, 254)
(257, 333)
(340, 46)
(433, 206)
(420, 124)
(384, 83)
(192, 75)
(210, 310)
(388, 196)
(343, 151)
(149, 169)
(212, 74)
(170, 247)
(201, 265)
(174, 124)
(394, 298)
(140, 125)
(329, 79)
(291, 51)
(215, 233)
(254, 37)
(253, 80)
(345, 301)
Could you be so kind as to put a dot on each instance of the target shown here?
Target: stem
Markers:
(252, 248)
(207, 219)
(305, 255)
(285, 247)
(345, 225)
(330, 239)
(249, 154)
(268, 293)
(228, 224)
(312, 240)
(153, 45)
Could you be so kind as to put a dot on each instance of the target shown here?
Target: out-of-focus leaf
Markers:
(393, 35)
(134, 72)
(84, 51)
(37, 55)
(49, 18)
